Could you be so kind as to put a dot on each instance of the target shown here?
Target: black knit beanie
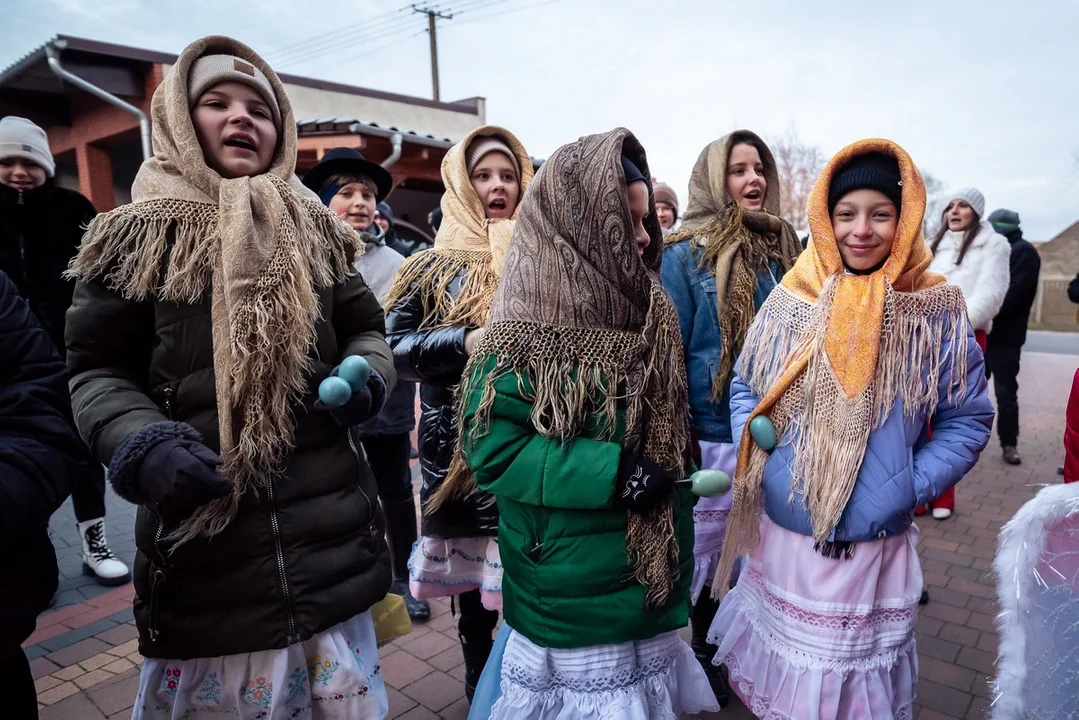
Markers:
(632, 172)
(873, 171)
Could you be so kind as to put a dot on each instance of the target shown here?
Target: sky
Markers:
(980, 93)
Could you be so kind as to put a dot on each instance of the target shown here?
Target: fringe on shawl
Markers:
(760, 238)
(572, 378)
(271, 333)
(430, 274)
(830, 431)
(126, 247)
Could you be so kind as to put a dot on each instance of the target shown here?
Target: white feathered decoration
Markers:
(1037, 568)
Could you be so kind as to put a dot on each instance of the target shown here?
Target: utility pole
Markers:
(432, 30)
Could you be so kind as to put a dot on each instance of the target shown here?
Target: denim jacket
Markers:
(693, 290)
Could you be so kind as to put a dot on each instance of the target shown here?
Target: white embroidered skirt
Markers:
(334, 675)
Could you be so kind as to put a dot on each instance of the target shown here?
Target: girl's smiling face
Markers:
(746, 183)
(864, 223)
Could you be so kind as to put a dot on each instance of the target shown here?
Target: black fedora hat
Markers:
(346, 160)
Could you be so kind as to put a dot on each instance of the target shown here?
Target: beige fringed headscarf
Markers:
(466, 240)
(737, 243)
(584, 318)
(262, 243)
(830, 353)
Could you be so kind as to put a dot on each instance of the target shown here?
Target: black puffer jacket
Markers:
(1010, 324)
(39, 455)
(40, 231)
(436, 357)
(302, 556)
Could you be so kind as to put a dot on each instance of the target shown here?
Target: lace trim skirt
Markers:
(710, 517)
(442, 567)
(334, 675)
(805, 637)
(655, 679)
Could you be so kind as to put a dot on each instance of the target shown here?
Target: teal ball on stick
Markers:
(763, 432)
(709, 483)
(355, 370)
(334, 392)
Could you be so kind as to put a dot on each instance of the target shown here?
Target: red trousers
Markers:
(1071, 434)
(947, 498)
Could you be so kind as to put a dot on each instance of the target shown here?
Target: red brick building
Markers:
(70, 86)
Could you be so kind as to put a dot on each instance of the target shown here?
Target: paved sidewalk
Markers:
(85, 658)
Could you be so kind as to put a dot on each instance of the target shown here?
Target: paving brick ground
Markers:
(85, 659)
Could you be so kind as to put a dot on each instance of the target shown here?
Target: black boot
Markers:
(475, 628)
(401, 534)
(703, 613)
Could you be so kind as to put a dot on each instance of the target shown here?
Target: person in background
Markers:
(972, 255)
(350, 185)
(1005, 341)
(195, 373)
(436, 312)
(666, 207)
(719, 268)
(385, 219)
(41, 225)
(40, 457)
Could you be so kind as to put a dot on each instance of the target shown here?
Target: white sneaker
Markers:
(98, 560)
(941, 513)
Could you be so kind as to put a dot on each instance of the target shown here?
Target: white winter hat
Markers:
(20, 138)
(974, 198)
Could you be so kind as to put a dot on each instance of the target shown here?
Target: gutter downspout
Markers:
(52, 51)
(396, 154)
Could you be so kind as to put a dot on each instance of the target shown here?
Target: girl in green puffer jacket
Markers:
(576, 419)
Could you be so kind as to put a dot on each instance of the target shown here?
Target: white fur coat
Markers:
(1038, 591)
(983, 275)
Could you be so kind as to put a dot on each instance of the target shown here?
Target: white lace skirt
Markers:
(655, 679)
(334, 675)
(805, 637)
(442, 567)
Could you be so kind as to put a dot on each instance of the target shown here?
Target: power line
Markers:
(322, 36)
(507, 11)
(334, 41)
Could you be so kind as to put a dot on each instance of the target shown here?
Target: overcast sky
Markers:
(980, 93)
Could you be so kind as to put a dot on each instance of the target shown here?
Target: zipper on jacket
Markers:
(169, 392)
(293, 635)
(359, 484)
(156, 581)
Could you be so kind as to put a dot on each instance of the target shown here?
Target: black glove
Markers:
(641, 484)
(364, 404)
(166, 463)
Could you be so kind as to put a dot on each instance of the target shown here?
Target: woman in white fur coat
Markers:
(970, 253)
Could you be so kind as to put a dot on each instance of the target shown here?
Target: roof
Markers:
(30, 72)
(1060, 255)
(345, 126)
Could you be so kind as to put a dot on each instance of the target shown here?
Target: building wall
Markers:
(311, 103)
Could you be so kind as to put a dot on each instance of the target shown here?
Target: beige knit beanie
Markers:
(209, 70)
(487, 144)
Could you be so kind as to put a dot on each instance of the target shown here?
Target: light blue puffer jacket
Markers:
(901, 469)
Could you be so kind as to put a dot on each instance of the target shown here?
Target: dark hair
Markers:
(342, 179)
(968, 236)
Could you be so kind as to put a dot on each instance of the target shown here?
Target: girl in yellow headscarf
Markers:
(436, 311)
(844, 365)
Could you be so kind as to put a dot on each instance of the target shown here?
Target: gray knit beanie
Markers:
(209, 70)
(20, 138)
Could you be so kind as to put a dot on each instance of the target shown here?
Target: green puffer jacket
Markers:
(568, 582)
